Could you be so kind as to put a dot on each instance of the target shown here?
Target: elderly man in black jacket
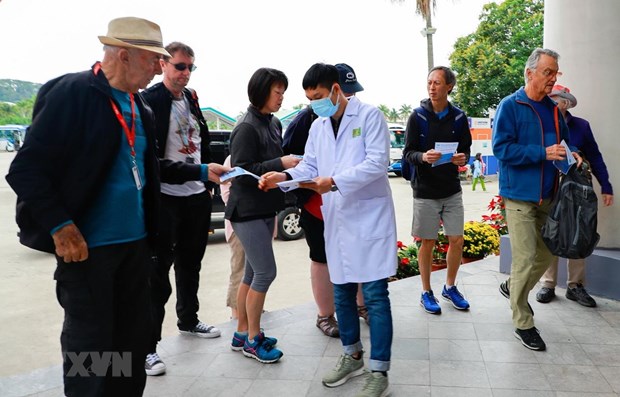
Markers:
(87, 181)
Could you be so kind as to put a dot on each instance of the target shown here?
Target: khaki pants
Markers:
(576, 273)
(237, 268)
(530, 255)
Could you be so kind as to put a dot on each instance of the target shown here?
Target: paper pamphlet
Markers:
(292, 184)
(447, 150)
(236, 171)
(564, 165)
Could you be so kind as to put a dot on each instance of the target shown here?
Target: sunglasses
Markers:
(182, 66)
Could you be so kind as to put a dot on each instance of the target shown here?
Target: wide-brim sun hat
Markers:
(132, 32)
(564, 92)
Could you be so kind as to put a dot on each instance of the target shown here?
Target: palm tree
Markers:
(425, 8)
(385, 110)
(405, 111)
(393, 115)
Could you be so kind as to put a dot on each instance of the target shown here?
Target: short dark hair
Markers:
(259, 86)
(320, 74)
(448, 75)
(176, 46)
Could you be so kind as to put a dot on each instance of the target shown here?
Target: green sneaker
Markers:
(376, 386)
(346, 368)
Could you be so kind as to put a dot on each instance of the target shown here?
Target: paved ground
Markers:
(470, 353)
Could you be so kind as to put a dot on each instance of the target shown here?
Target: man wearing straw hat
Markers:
(87, 181)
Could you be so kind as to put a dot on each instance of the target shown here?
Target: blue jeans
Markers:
(378, 303)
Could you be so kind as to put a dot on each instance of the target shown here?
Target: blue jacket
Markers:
(518, 145)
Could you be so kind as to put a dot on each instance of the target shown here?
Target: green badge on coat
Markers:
(356, 132)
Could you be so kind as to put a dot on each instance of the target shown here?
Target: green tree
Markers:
(393, 115)
(385, 110)
(489, 62)
(404, 112)
(19, 113)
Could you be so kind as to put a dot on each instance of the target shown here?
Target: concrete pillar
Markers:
(586, 34)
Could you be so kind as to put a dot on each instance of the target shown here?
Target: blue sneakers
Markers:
(238, 341)
(261, 350)
(453, 295)
(429, 303)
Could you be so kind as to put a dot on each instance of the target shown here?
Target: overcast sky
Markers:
(381, 40)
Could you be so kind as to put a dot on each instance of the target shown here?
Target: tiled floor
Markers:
(472, 353)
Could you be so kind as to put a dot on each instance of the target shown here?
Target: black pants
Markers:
(106, 304)
(184, 233)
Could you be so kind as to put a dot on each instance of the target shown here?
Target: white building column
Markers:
(586, 34)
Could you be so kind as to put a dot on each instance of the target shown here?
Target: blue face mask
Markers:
(324, 107)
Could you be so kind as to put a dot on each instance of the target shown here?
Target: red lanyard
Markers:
(130, 134)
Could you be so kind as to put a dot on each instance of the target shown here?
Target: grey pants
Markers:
(256, 236)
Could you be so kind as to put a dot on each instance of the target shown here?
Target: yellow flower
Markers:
(480, 239)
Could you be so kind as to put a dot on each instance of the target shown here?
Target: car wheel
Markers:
(398, 173)
(288, 224)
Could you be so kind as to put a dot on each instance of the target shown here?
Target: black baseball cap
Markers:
(348, 79)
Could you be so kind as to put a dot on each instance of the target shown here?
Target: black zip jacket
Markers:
(160, 100)
(441, 181)
(70, 147)
(255, 146)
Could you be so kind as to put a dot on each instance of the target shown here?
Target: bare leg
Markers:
(360, 296)
(454, 257)
(242, 294)
(254, 307)
(322, 288)
(425, 260)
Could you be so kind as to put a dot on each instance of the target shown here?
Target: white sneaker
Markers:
(202, 330)
(153, 365)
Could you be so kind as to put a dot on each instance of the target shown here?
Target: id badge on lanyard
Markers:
(131, 138)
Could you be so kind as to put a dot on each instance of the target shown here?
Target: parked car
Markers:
(287, 220)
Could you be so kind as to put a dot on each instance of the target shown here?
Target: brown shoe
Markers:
(362, 311)
(328, 325)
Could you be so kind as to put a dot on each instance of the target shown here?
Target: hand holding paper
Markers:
(447, 150)
(235, 172)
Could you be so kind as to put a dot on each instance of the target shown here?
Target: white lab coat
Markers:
(360, 227)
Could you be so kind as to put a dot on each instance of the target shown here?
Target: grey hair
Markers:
(532, 61)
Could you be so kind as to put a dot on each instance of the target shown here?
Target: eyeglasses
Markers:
(551, 73)
(182, 66)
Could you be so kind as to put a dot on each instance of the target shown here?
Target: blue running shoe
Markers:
(261, 351)
(238, 341)
(453, 295)
(430, 303)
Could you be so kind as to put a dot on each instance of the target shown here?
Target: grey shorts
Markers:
(429, 213)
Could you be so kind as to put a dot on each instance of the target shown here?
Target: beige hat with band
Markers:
(134, 32)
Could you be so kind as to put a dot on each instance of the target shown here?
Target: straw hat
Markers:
(134, 32)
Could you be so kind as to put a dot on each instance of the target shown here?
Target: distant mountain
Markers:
(17, 90)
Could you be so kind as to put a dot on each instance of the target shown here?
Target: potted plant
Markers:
(407, 261)
(480, 240)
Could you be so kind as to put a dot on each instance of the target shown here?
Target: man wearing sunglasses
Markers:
(185, 216)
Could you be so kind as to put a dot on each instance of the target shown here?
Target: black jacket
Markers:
(441, 181)
(160, 100)
(71, 145)
(256, 146)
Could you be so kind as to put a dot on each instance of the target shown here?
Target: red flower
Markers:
(404, 262)
(400, 244)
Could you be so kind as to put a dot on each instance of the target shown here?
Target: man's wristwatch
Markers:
(334, 188)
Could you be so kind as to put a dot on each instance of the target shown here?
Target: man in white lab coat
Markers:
(346, 156)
